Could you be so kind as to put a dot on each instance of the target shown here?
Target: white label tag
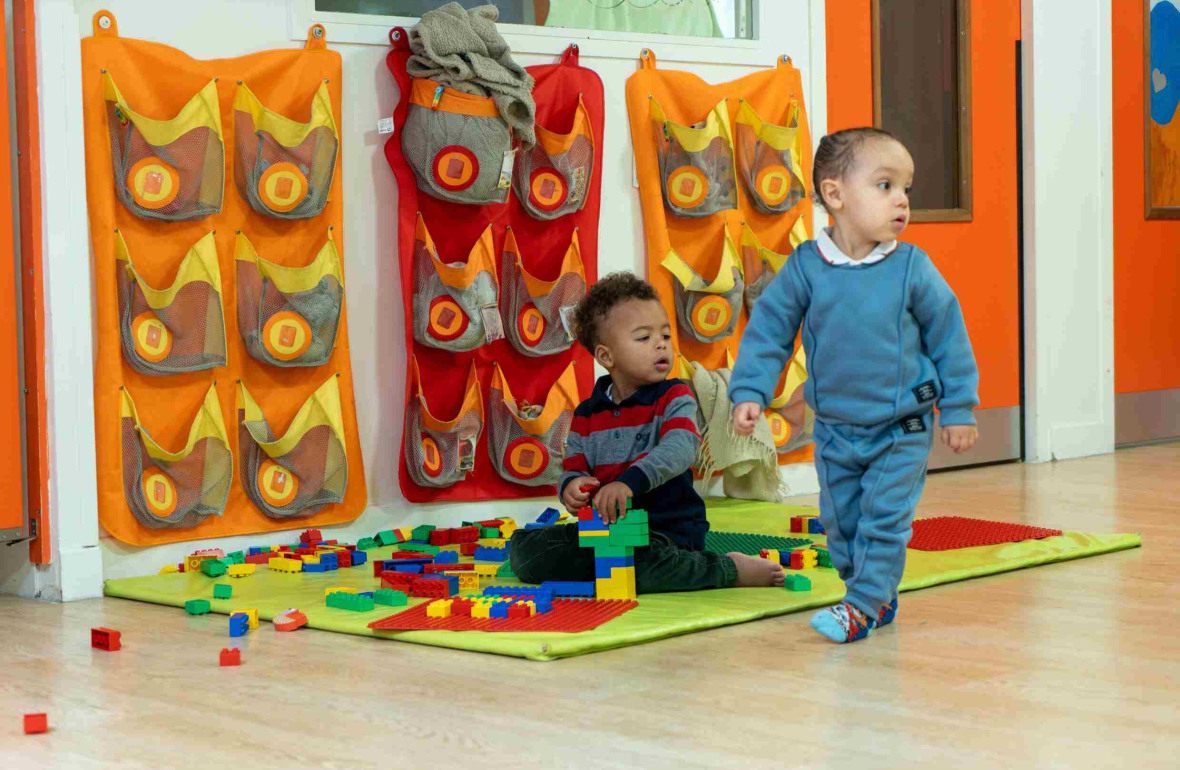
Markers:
(567, 320)
(634, 171)
(506, 170)
(385, 126)
(493, 327)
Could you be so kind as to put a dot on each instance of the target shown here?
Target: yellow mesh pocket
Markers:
(284, 168)
(455, 303)
(303, 470)
(552, 178)
(792, 422)
(537, 313)
(527, 441)
(768, 159)
(707, 311)
(167, 169)
(177, 329)
(288, 316)
(440, 453)
(457, 145)
(696, 163)
(760, 264)
(176, 489)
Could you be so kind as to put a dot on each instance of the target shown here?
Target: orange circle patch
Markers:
(780, 429)
(687, 187)
(547, 189)
(447, 321)
(153, 183)
(152, 340)
(286, 336)
(526, 458)
(431, 457)
(455, 168)
(159, 492)
(773, 184)
(531, 324)
(711, 316)
(277, 485)
(282, 187)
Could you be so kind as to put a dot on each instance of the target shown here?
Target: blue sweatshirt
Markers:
(883, 341)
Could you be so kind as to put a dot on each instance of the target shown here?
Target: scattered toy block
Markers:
(340, 589)
(797, 583)
(390, 597)
(168, 569)
(549, 516)
(359, 558)
(241, 570)
(467, 534)
(350, 601)
(569, 588)
(422, 532)
(36, 723)
(487, 570)
(491, 554)
(239, 624)
(814, 527)
(231, 656)
(365, 543)
(197, 606)
(282, 564)
(311, 536)
(103, 638)
(439, 608)
(251, 615)
(289, 620)
(469, 581)
(499, 610)
(431, 588)
(213, 568)
(440, 537)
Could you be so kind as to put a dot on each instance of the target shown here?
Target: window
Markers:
(689, 18)
(922, 95)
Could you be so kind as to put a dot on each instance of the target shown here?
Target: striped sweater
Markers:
(648, 442)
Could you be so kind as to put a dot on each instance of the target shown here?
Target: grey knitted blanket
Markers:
(462, 49)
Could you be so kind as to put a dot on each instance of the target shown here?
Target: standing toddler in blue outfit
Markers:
(885, 343)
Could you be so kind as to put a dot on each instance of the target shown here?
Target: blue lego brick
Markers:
(500, 610)
(395, 563)
(535, 525)
(604, 565)
(412, 568)
(483, 553)
(330, 561)
(239, 624)
(544, 604)
(548, 516)
(569, 588)
(446, 557)
(359, 557)
(257, 549)
(524, 592)
(366, 593)
(814, 527)
(311, 567)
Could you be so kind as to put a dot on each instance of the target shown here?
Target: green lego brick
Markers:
(213, 567)
(724, 542)
(489, 532)
(419, 547)
(505, 571)
(390, 597)
(384, 537)
(346, 601)
(237, 557)
(637, 516)
(197, 606)
(629, 535)
(422, 532)
(825, 558)
(222, 591)
(797, 583)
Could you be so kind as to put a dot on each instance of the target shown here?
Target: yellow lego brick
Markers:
(507, 528)
(439, 608)
(453, 547)
(772, 555)
(486, 570)
(492, 542)
(309, 559)
(251, 613)
(339, 590)
(279, 564)
(274, 549)
(193, 563)
(468, 581)
(532, 607)
(407, 533)
(595, 533)
(481, 610)
(240, 570)
(620, 585)
(169, 568)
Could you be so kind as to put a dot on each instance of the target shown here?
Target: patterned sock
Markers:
(842, 623)
(887, 614)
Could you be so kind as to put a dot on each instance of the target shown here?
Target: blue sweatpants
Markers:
(870, 480)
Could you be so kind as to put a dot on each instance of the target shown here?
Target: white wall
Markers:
(219, 28)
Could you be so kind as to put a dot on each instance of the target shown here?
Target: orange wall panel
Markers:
(1146, 252)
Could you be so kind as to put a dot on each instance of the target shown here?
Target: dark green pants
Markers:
(553, 553)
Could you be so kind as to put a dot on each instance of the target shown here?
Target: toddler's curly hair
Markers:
(604, 295)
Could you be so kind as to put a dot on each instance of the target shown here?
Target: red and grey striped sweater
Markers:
(649, 442)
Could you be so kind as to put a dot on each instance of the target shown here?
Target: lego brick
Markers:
(290, 620)
(438, 569)
(493, 542)
(358, 558)
(569, 588)
(330, 561)
(310, 558)
(197, 606)
(397, 580)
(467, 534)
(505, 571)
(433, 587)
(468, 549)
(103, 638)
(408, 568)
(239, 624)
(241, 570)
(489, 532)
(507, 528)
(603, 566)
(814, 527)
(797, 583)
(566, 615)
(439, 608)
(231, 656)
(945, 533)
(422, 532)
(549, 516)
(441, 537)
(521, 609)
(469, 582)
(213, 568)
(423, 549)
(169, 568)
(603, 548)
(350, 601)
(447, 558)
(255, 550)
(487, 570)
(750, 544)
(222, 591)
(258, 558)
(771, 554)
(390, 597)
(36, 723)
(499, 610)
(314, 567)
(251, 615)
(281, 564)
(340, 589)
(311, 536)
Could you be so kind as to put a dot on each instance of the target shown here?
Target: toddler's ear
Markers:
(832, 194)
(603, 356)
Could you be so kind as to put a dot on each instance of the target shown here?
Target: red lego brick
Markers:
(36, 723)
(461, 607)
(441, 537)
(945, 533)
(410, 555)
(400, 581)
(305, 551)
(434, 569)
(568, 615)
(431, 588)
(518, 610)
(290, 620)
(491, 523)
(106, 639)
(344, 558)
(259, 558)
(333, 541)
(796, 560)
(231, 656)
(585, 514)
(378, 567)
(465, 535)
(468, 549)
(310, 536)
(797, 524)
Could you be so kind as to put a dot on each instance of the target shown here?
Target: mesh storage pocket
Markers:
(792, 422)
(696, 163)
(178, 329)
(457, 145)
(536, 313)
(167, 169)
(760, 264)
(440, 453)
(284, 168)
(289, 316)
(707, 312)
(172, 490)
(306, 468)
(527, 442)
(768, 158)
(552, 178)
(455, 303)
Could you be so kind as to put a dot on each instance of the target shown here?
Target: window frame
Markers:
(964, 211)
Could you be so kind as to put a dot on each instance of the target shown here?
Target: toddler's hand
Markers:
(611, 501)
(745, 417)
(959, 438)
(575, 497)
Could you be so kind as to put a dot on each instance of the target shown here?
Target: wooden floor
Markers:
(1074, 665)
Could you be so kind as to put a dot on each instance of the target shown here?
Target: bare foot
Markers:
(755, 572)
